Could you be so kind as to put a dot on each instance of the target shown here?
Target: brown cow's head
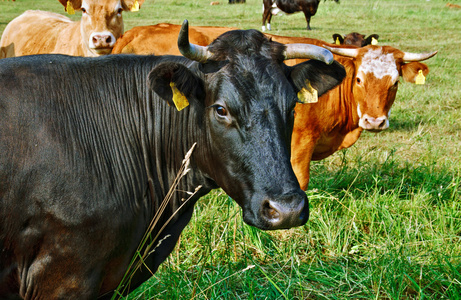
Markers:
(102, 22)
(355, 39)
(376, 78)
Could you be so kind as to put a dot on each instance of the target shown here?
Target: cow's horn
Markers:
(191, 51)
(308, 51)
(349, 52)
(417, 56)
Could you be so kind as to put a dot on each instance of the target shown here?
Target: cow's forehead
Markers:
(379, 64)
(260, 85)
(110, 5)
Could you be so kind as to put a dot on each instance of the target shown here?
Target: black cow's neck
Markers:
(167, 135)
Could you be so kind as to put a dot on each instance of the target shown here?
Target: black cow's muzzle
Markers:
(287, 211)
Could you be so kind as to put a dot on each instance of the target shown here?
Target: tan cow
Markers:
(39, 32)
(361, 102)
(161, 39)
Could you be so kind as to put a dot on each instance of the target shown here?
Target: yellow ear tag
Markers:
(180, 101)
(135, 6)
(70, 9)
(308, 95)
(420, 79)
(374, 41)
(337, 42)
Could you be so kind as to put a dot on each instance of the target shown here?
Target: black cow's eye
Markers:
(358, 80)
(83, 10)
(221, 110)
(120, 10)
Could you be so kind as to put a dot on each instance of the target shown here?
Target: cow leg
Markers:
(307, 15)
(266, 17)
(269, 18)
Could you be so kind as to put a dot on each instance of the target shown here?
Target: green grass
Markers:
(385, 214)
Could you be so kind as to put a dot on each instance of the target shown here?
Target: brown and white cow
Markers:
(39, 32)
(361, 102)
(273, 7)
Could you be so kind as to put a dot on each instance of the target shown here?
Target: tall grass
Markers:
(385, 214)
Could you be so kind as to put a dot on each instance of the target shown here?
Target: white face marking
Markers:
(103, 36)
(85, 6)
(374, 61)
(358, 111)
(374, 124)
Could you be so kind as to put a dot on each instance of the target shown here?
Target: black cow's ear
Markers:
(176, 84)
(369, 39)
(212, 66)
(338, 39)
(318, 75)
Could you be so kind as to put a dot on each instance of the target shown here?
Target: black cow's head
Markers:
(244, 97)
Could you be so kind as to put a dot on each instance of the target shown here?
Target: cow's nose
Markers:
(102, 40)
(375, 124)
(290, 210)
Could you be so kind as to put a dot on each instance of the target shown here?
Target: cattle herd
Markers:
(84, 139)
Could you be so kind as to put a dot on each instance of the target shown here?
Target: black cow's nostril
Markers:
(287, 211)
(108, 39)
(269, 211)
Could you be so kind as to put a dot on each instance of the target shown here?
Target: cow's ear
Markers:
(132, 5)
(75, 4)
(212, 66)
(369, 39)
(414, 72)
(338, 39)
(177, 85)
(318, 75)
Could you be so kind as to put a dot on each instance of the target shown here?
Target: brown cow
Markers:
(161, 39)
(362, 101)
(39, 32)
(355, 39)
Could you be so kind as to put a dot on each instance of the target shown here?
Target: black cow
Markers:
(355, 39)
(272, 7)
(90, 146)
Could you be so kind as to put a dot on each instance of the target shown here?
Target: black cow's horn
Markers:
(417, 56)
(348, 52)
(308, 51)
(191, 51)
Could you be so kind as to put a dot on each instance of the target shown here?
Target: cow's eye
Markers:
(358, 80)
(83, 10)
(221, 111)
(119, 11)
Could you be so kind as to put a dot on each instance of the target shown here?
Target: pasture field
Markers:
(385, 217)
